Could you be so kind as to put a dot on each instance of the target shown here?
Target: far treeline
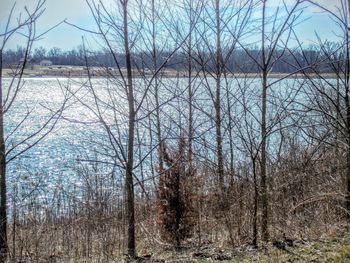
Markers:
(179, 60)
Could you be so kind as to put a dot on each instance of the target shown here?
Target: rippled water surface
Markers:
(80, 135)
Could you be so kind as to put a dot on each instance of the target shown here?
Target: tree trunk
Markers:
(263, 185)
(255, 212)
(190, 112)
(190, 95)
(217, 106)
(156, 93)
(130, 155)
(264, 198)
(347, 104)
(3, 216)
(178, 211)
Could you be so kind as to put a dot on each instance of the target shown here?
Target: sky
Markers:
(63, 36)
(77, 12)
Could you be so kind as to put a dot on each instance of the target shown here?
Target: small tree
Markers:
(175, 196)
(11, 145)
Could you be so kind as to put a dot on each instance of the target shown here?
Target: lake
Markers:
(80, 138)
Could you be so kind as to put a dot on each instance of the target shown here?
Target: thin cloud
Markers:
(55, 11)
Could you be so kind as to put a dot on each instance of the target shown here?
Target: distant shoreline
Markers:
(98, 72)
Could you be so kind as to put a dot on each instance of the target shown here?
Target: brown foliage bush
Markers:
(175, 195)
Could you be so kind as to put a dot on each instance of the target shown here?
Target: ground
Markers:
(331, 249)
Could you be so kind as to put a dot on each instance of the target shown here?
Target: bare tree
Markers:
(272, 39)
(131, 85)
(329, 99)
(25, 26)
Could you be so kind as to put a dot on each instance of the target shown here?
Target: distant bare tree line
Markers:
(75, 57)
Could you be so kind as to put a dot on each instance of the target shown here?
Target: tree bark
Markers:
(156, 93)
(3, 212)
(347, 104)
(255, 208)
(130, 156)
(263, 185)
(217, 106)
(190, 92)
(264, 198)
